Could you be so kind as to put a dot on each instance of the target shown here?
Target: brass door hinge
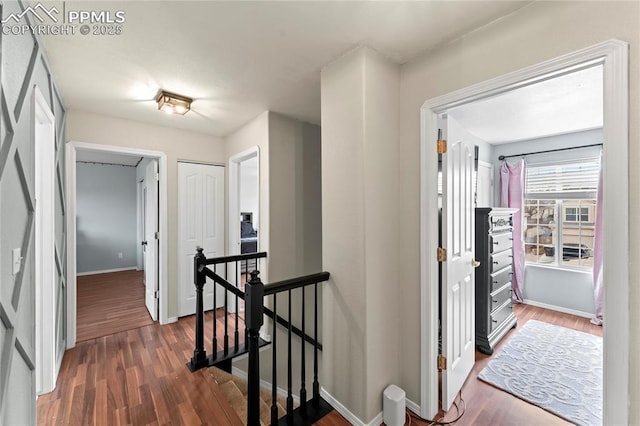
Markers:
(441, 146)
(442, 363)
(442, 254)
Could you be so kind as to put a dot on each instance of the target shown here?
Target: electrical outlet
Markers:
(16, 260)
(120, 256)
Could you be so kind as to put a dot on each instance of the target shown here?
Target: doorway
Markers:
(73, 149)
(612, 56)
(244, 203)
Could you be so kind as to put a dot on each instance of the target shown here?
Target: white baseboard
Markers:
(106, 271)
(171, 320)
(377, 420)
(352, 418)
(413, 407)
(344, 411)
(557, 308)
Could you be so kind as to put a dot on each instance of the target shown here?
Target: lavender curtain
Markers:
(597, 254)
(512, 180)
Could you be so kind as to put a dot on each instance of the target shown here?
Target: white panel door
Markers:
(458, 283)
(151, 246)
(200, 224)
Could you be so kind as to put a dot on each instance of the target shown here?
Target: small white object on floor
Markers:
(393, 406)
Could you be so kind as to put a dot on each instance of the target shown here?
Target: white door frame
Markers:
(492, 184)
(613, 55)
(140, 211)
(71, 149)
(45, 269)
(234, 198)
(151, 220)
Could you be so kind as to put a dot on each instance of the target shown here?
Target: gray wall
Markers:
(291, 211)
(23, 66)
(106, 222)
(561, 288)
(360, 202)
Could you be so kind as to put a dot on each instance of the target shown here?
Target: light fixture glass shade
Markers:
(172, 103)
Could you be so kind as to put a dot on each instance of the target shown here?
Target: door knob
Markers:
(475, 263)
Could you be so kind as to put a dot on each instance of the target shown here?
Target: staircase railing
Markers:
(309, 410)
(253, 296)
(221, 358)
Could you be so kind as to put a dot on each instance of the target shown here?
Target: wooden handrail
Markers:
(235, 258)
(294, 283)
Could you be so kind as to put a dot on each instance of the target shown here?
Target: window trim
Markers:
(558, 232)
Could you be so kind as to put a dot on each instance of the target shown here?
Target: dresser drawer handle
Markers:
(495, 263)
(494, 321)
(494, 300)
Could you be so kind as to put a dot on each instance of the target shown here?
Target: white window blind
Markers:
(563, 180)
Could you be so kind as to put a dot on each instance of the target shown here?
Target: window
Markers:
(559, 213)
(576, 214)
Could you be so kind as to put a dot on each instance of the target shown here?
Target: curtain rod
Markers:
(105, 164)
(502, 157)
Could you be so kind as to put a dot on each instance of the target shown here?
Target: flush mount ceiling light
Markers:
(172, 103)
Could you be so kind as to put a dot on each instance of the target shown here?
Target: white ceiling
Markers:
(238, 59)
(564, 104)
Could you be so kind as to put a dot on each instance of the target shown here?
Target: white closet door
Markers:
(200, 224)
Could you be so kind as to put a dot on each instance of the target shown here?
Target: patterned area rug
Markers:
(553, 367)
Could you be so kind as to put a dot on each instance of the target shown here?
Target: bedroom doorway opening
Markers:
(244, 205)
(611, 57)
(104, 237)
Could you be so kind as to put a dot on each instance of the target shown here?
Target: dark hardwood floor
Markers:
(139, 377)
(110, 303)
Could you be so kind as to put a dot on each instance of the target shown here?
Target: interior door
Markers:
(200, 224)
(458, 283)
(150, 195)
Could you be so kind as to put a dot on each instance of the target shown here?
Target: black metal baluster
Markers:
(303, 390)
(246, 336)
(289, 371)
(214, 352)
(254, 294)
(236, 335)
(199, 358)
(226, 313)
(274, 374)
(316, 385)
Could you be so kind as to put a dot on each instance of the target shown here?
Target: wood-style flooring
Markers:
(487, 405)
(110, 303)
(136, 377)
(139, 377)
